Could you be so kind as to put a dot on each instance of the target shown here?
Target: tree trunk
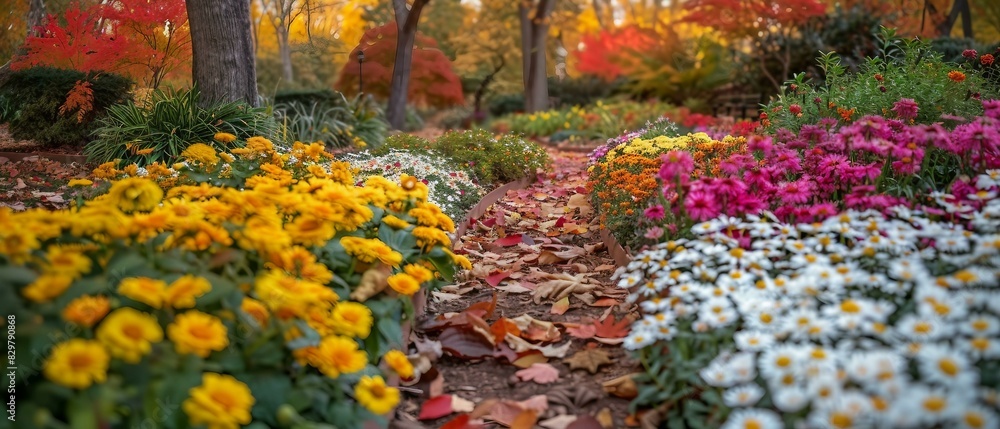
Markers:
(483, 85)
(285, 51)
(525, 16)
(960, 7)
(536, 92)
(406, 23)
(223, 66)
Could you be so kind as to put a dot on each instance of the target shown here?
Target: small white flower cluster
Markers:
(862, 320)
(450, 188)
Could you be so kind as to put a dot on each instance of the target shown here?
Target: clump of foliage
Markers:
(57, 106)
(176, 287)
(169, 123)
(432, 81)
(331, 118)
(905, 69)
(493, 160)
(600, 121)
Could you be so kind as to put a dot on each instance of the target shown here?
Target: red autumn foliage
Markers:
(613, 53)
(738, 18)
(142, 39)
(433, 82)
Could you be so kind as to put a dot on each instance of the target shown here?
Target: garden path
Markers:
(539, 292)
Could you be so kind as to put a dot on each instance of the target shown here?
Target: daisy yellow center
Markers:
(879, 404)
(934, 404)
(736, 253)
(974, 420)
(965, 276)
(766, 317)
(922, 327)
(783, 361)
(948, 366)
(788, 379)
(841, 420)
(850, 306)
(980, 325)
(942, 309)
(980, 343)
(819, 354)
(752, 424)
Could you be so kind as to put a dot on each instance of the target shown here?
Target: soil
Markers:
(577, 392)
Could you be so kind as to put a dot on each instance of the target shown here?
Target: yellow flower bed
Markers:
(219, 291)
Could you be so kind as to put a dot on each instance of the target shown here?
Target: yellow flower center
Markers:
(879, 404)
(922, 327)
(752, 424)
(980, 344)
(973, 419)
(766, 317)
(934, 404)
(850, 306)
(80, 361)
(980, 324)
(948, 366)
(134, 332)
(783, 361)
(201, 332)
(965, 276)
(841, 420)
(223, 398)
(378, 390)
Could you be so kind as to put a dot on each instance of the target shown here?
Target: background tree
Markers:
(407, 17)
(223, 65)
(433, 83)
(534, 17)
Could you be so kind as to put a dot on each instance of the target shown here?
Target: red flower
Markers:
(795, 109)
(956, 76)
(986, 60)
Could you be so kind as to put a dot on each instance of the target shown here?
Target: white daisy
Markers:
(753, 418)
(745, 395)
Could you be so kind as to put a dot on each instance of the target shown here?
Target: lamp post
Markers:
(361, 59)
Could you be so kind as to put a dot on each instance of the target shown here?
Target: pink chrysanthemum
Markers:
(701, 205)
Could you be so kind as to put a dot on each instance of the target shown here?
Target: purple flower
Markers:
(655, 212)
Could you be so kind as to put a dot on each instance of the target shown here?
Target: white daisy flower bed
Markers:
(863, 320)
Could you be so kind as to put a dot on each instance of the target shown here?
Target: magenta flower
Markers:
(676, 164)
(797, 192)
(970, 53)
(991, 109)
(655, 212)
(701, 205)
(906, 108)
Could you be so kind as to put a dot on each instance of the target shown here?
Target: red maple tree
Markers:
(614, 53)
(738, 18)
(142, 39)
(433, 82)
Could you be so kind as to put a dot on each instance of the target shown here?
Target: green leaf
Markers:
(11, 275)
(391, 331)
(269, 391)
(443, 262)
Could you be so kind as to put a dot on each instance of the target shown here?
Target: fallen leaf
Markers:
(588, 359)
(622, 387)
(483, 309)
(582, 331)
(519, 345)
(562, 285)
(496, 277)
(558, 422)
(548, 257)
(585, 422)
(435, 408)
(537, 330)
(530, 359)
(484, 408)
(609, 328)
(525, 420)
(465, 343)
(463, 422)
(506, 411)
(461, 405)
(20, 184)
(541, 373)
(509, 240)
(515, 287)
(579, 201)
(561, 306)
(502, 327)
(604, 418)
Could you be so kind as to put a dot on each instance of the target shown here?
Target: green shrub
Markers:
(493, 159)
(173, 122)
(6, 109)
(908, 69)
(326, 97)
(329, 117)
(35, 96)
(506, 104)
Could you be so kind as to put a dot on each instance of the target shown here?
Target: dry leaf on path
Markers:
(582, 331)
(587, 422)
(537, 330)
(506, 411)
(622, 387)
(558, 422)
(525, 420)
(436, 407)
(541, 373)
(560, 307)
(580, 201)
(562, 285)
(588, 359)
(520, 345)
(609, 328)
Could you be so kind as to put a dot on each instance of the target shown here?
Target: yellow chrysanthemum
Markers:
(309, 230)
(86, 310)
(183, 291)
(67, 261)
(135, 194)
(429, 237)
(129, 334)
(146, 290)
(373, 394)
(198, 333)
(17, 243)
(106, 171)
(201, 153)
(404, 283)
(352, 319)
(340, 172)
(339, 355)
(418, 272)
(220, 402)
(299, 261)
(370, 249)
(399, 363)
(395, 222)
(77, 364)
(224, 137)
(288, 296)
(46, 287)
(255, 309)
(79, 183)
